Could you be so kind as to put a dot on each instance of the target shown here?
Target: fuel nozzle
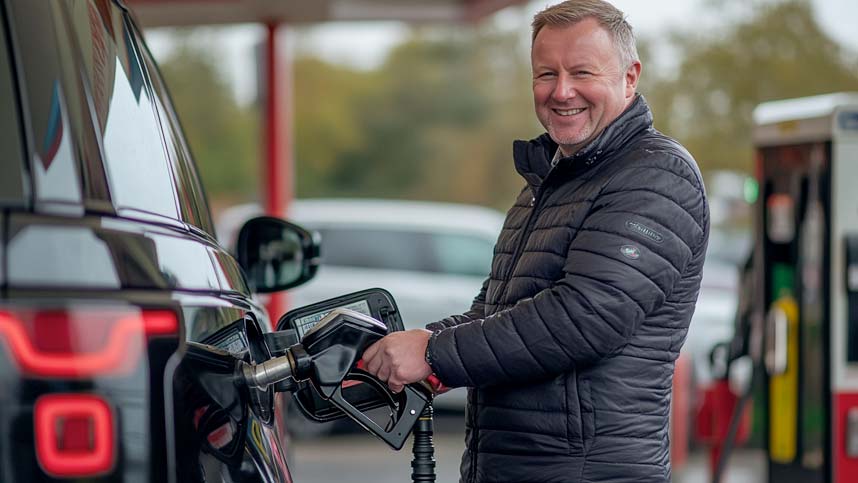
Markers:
(325, 355)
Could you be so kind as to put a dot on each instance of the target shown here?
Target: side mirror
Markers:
(276, 254)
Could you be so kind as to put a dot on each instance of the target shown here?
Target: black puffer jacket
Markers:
(569, 348)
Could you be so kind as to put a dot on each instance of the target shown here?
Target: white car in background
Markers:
(432, 257)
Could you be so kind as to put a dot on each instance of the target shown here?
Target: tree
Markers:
(329, 123)
(223, 136)
(780, 52)
(435, 121)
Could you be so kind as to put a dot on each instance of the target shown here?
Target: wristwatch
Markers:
(428, 355)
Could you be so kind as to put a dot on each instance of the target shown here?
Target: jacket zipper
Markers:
(534, 203)
(535, 199)
(474, 443)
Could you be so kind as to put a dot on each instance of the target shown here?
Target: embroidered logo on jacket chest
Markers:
(644, 230)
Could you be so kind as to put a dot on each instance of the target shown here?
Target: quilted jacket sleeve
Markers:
(615, 274)
(477, 311)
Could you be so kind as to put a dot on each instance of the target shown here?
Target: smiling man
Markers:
(569, 348)
(580, 84)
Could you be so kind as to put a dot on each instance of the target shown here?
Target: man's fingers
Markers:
(397, 359)
(373, 365)
(384, 373)
(372, 359)
(370, 351)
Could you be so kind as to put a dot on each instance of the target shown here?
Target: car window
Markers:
(192, 201)
(382, 249)
(137, 166)
(11, 154)
(463, 254)
(52, 103)
(389, 249)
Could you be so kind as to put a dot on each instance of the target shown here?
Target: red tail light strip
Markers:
(51, 412)
(119, 354)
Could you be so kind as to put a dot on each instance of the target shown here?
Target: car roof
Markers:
(377, 213)
(414, 214)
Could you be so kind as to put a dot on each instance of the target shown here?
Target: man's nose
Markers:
(564, 88)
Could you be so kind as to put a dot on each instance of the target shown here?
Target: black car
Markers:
(120, 315)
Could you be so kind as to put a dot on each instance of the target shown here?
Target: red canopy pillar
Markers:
(277, 173)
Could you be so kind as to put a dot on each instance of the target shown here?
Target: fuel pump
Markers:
(803, 318)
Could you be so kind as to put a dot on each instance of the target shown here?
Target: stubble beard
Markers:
(573, 141)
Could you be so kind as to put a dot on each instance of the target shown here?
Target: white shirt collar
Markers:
(556, 158)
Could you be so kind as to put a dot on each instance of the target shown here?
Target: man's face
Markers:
(579, 86)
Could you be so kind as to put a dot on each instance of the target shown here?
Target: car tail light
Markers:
(81, 342)
(74, 435)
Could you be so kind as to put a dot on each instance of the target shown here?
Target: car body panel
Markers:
(12, 176)
(102, 211)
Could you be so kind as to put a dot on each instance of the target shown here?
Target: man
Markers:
(569, 348)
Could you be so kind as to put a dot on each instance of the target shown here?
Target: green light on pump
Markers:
(752, 190)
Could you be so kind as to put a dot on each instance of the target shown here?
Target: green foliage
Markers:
(780, 52)
(328, 120)
(437, 119)
(223, 137)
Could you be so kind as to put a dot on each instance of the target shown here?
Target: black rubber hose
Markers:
(423, 462)
(733, 428)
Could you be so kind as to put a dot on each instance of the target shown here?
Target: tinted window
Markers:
(96, 190)
(406, 250)
(384, 249)
(192, 200)
(11, 155)
(463, 254)
(137, 166)
(52, 101)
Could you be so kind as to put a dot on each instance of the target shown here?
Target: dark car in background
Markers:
(121, 317)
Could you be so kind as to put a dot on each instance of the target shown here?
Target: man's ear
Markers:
(633, 73)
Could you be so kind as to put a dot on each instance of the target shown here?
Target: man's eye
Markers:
(583, 73)
(546, 75)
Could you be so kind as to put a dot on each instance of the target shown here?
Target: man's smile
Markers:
(569, 112)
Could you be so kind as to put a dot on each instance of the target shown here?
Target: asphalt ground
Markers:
(361, 458)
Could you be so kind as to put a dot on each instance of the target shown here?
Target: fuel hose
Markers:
(423, 462)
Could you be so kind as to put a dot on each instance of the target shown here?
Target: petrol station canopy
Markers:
(160, 13)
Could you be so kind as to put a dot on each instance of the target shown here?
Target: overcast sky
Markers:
(366, 44)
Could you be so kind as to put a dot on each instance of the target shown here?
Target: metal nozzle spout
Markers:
(269, 372)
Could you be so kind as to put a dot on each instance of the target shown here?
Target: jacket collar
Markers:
(533, 158)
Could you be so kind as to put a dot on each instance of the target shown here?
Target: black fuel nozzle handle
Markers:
(335, 345)
(407, 405)
(328, 355)
(325, 355)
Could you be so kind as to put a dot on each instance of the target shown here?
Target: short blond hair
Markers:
(608, 16)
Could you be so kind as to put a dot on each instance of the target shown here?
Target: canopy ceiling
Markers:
(159, 13)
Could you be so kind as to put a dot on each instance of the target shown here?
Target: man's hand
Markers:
(399, 358)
